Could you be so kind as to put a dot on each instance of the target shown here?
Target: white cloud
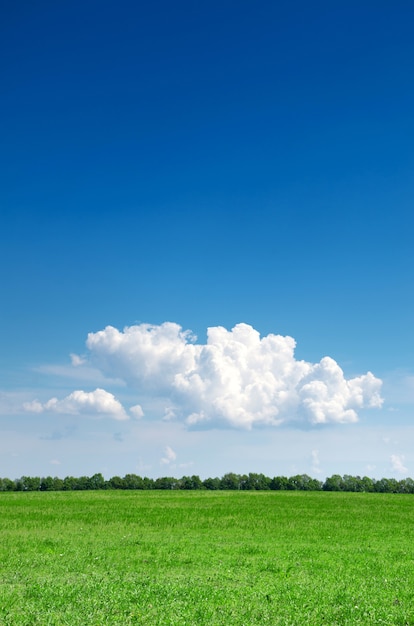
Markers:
(137, 411)
(99, 403)
(236, 379)
(77, 360)
(147, 354)
(315, 462)
(169, 456)
(169, 413)
(34, 406)
(11, 402)
(397, 463)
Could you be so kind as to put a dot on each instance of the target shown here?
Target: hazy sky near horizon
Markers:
(206, 243)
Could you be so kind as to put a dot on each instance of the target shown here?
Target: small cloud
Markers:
(136, 411)
(54, 462)
(77, 360)
(397, 463)
(118, 437)
(315, 462)
(169, 414)
(98, 403)
(169, 456)
(33, 407)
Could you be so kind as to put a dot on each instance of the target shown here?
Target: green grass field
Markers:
(185, 558)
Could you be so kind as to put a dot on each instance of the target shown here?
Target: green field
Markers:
(186, 558)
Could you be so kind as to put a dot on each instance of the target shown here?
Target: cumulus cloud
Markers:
(150, 355)
(236, 379)
(169, 456)
(137, 411)
(99, 403)
(397, 463)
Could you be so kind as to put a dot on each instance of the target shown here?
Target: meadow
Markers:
(182, 558)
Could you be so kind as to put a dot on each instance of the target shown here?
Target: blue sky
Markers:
(179, 167)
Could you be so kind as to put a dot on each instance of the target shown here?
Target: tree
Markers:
(148, 483)
(47, 484)
(334, 483)
(83, 483)
(132, 481)
(191, 482)
(349, 483)
(386, 485)
(212, 483)
(97, 481)
(69, 483)
(116, 482)
(406, 485)
(367, 484)
(295, 482)
(257, 482)
(166, 482)
(28, 483)
(279, 483)
(230, 481)
(7, 485)
(57, 483)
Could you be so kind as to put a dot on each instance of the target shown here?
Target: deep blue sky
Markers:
(207, 164)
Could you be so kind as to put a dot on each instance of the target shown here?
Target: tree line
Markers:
(230, 481)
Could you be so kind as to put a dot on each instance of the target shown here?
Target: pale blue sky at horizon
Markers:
(185, 167)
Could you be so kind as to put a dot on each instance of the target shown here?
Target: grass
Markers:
(186, 558)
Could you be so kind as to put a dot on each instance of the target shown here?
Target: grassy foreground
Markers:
(187, 558)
